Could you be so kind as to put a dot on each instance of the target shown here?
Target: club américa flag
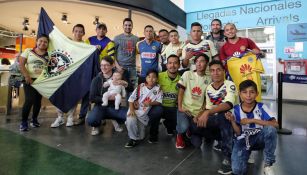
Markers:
(71, 67)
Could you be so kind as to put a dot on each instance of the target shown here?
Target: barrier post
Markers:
(279, 106)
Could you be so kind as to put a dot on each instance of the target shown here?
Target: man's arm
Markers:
(272, 122)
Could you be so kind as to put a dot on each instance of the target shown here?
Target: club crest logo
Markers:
(59, 61)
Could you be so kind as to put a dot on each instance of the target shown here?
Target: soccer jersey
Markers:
(225, 93)
(145, 95)
(35, 63)
(107, 46)
(235, 50)
(195, 91)
(204, 47)
(172, 49)
(169, 88)
(260, 112)
(126, 50)
(149, 54)
(249, 67)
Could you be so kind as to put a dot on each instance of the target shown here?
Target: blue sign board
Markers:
(291, 78)
(297, 32)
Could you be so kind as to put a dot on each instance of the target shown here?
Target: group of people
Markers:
(182, 83)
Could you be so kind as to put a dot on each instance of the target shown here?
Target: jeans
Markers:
(170, 116)
(32, 98)
(131, 75)
(183, 122)
(84, 105)
(154, 114)
(266, 139)
(100, 113)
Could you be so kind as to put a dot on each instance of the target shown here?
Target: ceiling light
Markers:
(25, 22)
(33, 33)
(25, 28)
(96, 21)
(64, 18)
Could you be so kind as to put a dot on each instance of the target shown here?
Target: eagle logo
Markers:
(59, 61)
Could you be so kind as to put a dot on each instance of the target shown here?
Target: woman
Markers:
(32, 62)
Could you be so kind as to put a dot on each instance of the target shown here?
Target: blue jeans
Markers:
(266, 139)
(131, 75)
(84, 105)
(183, 122)
(100, 113)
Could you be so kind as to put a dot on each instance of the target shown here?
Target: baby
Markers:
(117, 90)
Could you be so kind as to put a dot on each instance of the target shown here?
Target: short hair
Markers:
(148, 26)
(163, 30)
(5, 61)
(102, 26)
(201, 55)
(127, 19)
(108, 59)
(218, 62)
(173, 55)
(230, 24)
(246, 84)
(173, 31)
(79, 25)
(42, 36)
(196, 24)
(218, 20)
(152, 71)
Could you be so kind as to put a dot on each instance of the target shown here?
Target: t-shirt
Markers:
(225, 93)
(205, 46)
(260, 112)
(169, 88)
(126, 50)
(241, 46)
(248, 67)
(195, 91)
(35, 63)
(172, 49)
(145, 95)
(149, 54)
(107, 46)
(218, 42)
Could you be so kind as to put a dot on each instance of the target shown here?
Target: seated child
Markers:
(255, 128)
(142, 98)
(119, 92)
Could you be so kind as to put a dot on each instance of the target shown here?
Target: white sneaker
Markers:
(268, 170)
(251, 158)
(70, 121)
(58, 121)
(95, 131)
(117, 127)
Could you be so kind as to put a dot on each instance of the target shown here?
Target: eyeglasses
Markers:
(105, 65)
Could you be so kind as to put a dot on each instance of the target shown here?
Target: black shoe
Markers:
(80, 121)
(131, 143)
(35, 124)
(153, 140)
(225, 168)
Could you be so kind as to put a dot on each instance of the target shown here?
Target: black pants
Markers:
(32, 98)
(170, 116)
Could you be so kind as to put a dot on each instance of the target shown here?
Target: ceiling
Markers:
(13, 12)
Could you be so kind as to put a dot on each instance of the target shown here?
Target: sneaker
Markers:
(268, 170)
(218, 147)
(225, 168)
(131, 143)
(24, 127)
(80, 121)
(58, 121)
(95, 131)
(251, 158)
(69, 122)
(179, 142)
(117, 127)
(35, 124)
(153, 139)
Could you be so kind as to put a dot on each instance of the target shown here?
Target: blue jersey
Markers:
(149, 54)
(260, 112)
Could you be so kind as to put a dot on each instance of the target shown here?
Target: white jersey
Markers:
(143, 94)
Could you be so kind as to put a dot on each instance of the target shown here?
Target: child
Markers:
(119, 92)
(255, 128)
(143, 97)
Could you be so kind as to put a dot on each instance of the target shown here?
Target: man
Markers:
(149, 50)
(220, 97)
(197, 46)
(125, 46)
(102, 42)
(168, 81)
(164, 39)
(241, 67)
(217, 34)
(191, 97)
